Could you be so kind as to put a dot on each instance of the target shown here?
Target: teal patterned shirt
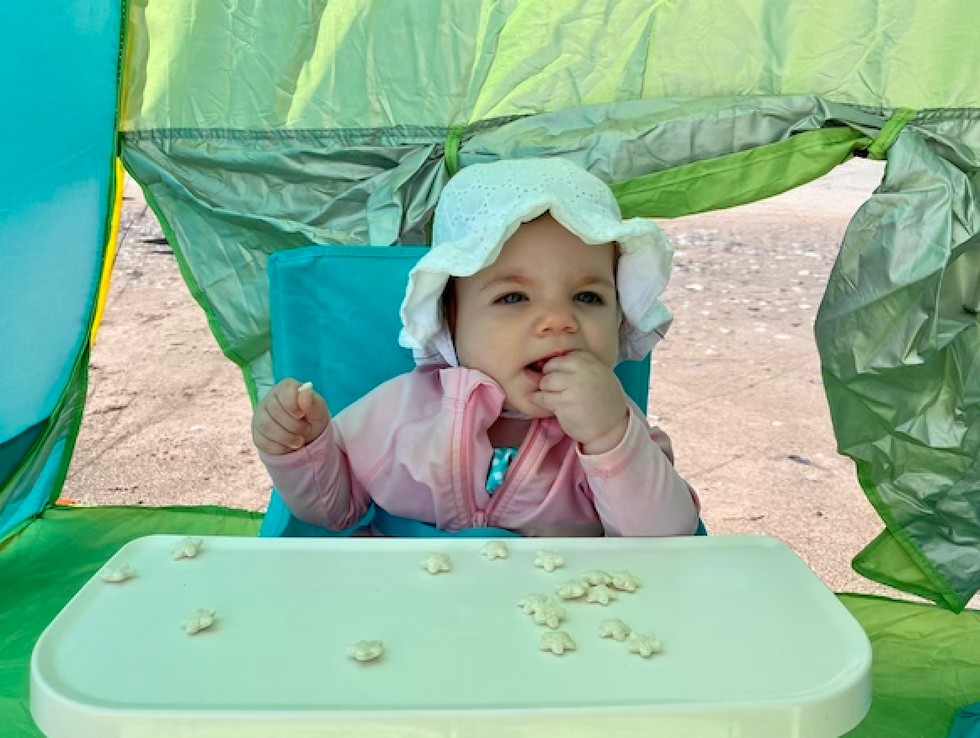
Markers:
(498, 467)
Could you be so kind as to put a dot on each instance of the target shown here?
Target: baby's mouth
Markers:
(538, 366)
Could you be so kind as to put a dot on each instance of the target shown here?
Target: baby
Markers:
(533, 290)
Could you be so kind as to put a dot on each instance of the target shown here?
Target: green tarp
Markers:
(43, 567)
(275, 65)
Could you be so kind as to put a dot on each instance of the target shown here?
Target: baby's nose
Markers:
(555, 319)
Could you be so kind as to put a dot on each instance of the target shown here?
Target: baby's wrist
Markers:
(608, 440)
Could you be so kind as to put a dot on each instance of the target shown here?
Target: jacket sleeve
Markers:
(316, 483)
(636, 490)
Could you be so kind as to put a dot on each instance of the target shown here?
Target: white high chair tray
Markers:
(753, 644)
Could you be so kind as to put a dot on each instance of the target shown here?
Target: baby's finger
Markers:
(317, 410)
(304, 397)
(312, 404)
(271, 447)
(555, 382)
(269, 432)
(569, 362)
(288, 420)
(286, 393)
(546, 400)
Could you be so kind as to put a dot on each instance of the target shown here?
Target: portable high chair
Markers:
(334, 321)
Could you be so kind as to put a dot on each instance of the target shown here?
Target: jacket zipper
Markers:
(465, 447)
(483, 518)
(508, 483)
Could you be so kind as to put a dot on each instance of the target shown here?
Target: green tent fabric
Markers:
(924, 666)
(260, 126)
(898, 336)
(896, 329)
(44, 566)
(358, 66)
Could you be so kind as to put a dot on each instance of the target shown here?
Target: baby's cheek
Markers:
(609, 351)
(470, 353)
(613, 354)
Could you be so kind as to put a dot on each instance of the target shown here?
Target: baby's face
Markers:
(547, 294)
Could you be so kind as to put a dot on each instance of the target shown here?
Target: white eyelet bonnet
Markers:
(484, 205)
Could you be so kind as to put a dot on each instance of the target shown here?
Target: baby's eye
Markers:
(589, 298)
(511, 298)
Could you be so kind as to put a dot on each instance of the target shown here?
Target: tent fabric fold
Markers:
(896, 330)
(900, 351)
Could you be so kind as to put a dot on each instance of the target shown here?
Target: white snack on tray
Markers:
(366, 650)
(643, 644)
(545, 610)
(437, 562)
(549, 560)
(550, 613)
(494, 550)
(594, 577)
(187, 548)
(624, 581)
(601, 594)
(572, 589)
(615, 629)
(530, 603)
(557, 641)
(119, 574)
(199, 620)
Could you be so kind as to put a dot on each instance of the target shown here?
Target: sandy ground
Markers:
(736, 384)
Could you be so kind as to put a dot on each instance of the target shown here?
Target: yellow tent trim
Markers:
(110, 251)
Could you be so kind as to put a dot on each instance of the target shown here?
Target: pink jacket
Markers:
(418, 447)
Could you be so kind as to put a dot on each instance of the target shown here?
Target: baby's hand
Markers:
(586, 398)
(289, 417)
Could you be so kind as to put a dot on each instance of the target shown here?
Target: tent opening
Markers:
(736, 384)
